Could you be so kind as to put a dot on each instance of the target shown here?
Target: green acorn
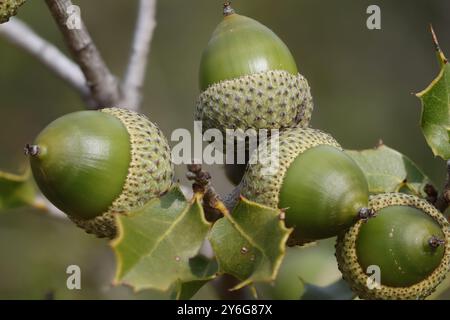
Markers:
(94, 164)
(249, 79)
(321, 189)
(408, 241)
(8, 8)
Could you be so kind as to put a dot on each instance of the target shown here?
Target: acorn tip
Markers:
(31, 150)
(227, 9)
(435, 242)
(365, 214)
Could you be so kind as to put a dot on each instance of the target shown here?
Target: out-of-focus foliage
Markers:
(16, 190)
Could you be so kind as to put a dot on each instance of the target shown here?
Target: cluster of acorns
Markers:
(249, 80)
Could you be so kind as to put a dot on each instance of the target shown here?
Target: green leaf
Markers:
(436, 109)
(387, 170)
(339, 290)
(157, 244)
(204, 269)
(250, 243)
(16, 190)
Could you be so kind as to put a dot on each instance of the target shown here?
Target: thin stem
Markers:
(432, 193)
(443, 201)
(46, 207)
(231, 199)
(103, 85)
(137, 65)
(31, 150)
(365, 214)
(22, 36)
(227, 9)
(212, 204)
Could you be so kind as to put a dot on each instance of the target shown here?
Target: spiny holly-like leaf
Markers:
(204, 269)
(250, 243)
(388, 170)
(16, 190)
(158, 244)
(436, 108)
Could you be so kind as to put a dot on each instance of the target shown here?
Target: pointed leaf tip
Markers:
(435, 99)
(250, 243)
(440, 54)
(157, 244)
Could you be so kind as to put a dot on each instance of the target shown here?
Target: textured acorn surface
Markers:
(249, 80)
(8, 8)
(333, 188)
(353, 272)
(116, 169)
(270, 99)
(398, 241)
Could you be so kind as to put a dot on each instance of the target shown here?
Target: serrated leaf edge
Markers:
(277, 263)
(196, 199)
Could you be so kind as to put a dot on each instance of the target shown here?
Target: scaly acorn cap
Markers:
(8, 8)
(137, 145)
(266, 100)
(354, 274)
(293, 142)
(249, 79)
(316, 207)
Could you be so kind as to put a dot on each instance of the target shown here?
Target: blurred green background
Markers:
(362, 82)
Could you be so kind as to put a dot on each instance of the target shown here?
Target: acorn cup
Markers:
(8, 8)
(322, 190)
(95, 164)
(249, 79)
(407, 241)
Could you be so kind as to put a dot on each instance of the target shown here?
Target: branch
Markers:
(212, 203)
(443, 201)
(137, 65)
(22, 36)
(42, 204)
(103, 85)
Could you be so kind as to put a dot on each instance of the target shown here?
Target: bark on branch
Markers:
(213, 204)
(103, 85)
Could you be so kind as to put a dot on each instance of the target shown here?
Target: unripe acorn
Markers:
(95, 164)
(321, 189)
(249, 79)
(408, 239)
(8, 8)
